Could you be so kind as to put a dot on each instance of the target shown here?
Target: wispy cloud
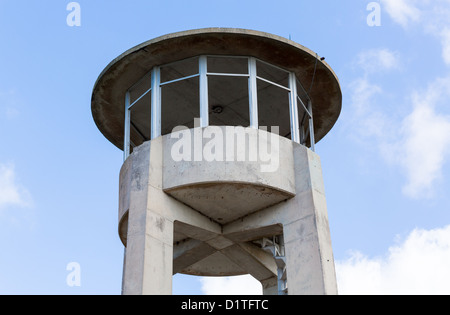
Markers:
(9, 104)
(417, 143)
(416, 265)
(378, 60)
(12, 193)
(431, 16)
(369, 118)
(365, 118)
(445, 41)
(404, 12)
(238, 285)
(423, 146)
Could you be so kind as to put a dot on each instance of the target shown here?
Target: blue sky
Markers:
(385, 163)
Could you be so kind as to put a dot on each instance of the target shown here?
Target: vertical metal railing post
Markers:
(311, 126)
(293, 108)
(126, 134)
(156, 104)
(253, 93)
(204, 107)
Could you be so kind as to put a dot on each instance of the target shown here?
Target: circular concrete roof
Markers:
(108, 95)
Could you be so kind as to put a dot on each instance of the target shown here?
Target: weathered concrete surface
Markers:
(164, 236)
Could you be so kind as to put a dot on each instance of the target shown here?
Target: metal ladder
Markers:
(275, 246)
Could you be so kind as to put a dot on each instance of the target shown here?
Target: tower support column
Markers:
(149, 255)
(304, 220)
(148, 220)
(309, 257)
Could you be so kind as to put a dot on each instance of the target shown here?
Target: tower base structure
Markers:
(225, 216)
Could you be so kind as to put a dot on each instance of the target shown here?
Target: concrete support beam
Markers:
(251, 234)
(258, 263)
(189, 252)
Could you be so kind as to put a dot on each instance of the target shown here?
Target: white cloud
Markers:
(418, 143)
(238, 285)
(11, 192)
(431, 16)
(445, 41)
(402, 11)
(418, 265)
(363, 92)
(365, 117)
(423, 144)
(378, 60)
(10, 103)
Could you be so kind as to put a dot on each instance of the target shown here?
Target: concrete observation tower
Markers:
(220, 178)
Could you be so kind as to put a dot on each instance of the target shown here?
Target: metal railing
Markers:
(300, 105)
